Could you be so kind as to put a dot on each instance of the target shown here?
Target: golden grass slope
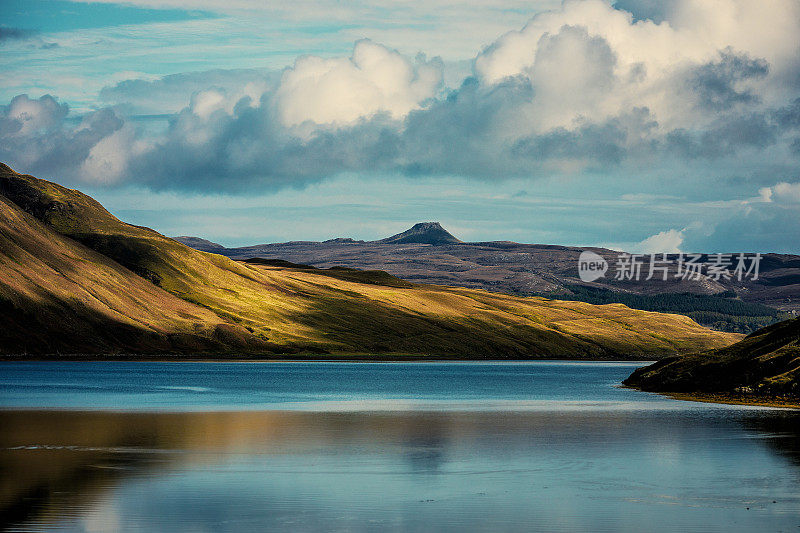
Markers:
(56, 295)
(86, 281)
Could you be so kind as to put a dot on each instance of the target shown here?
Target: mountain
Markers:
(764, 364)
(422, 233)
(427, 253)
(199, 244)
(75, 279)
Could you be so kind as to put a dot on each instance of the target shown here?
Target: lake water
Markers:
(543, 446)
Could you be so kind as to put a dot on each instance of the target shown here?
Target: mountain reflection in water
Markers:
(558, 470)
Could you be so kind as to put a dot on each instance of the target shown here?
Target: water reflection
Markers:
(780, 431)
(622, 470)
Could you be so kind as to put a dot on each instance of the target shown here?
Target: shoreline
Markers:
(727, 398)
(299, 358)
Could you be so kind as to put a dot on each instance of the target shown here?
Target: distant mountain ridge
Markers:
(428, 253)
(199, 244)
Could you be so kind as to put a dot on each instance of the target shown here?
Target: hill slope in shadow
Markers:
(763, 364)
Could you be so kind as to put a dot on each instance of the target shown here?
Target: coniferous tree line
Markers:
(723, 311)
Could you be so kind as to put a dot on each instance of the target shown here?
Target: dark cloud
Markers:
(9, 34)
(250, 149)
(599, 145)
(788, 117)
(459, 133)
(724, 137)
(716, 84)
(795, 146)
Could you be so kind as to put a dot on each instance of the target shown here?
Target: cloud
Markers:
(584, 89)
(107, 160)
(343, 90)
(716, 84)
(764, 223)
(8, 33)
(26, 116)
(664, 242)
(35, 137)
(723, 137)
(783, 193)
(170, 94)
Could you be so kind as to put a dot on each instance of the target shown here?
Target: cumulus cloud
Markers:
(343, 90)
(107, 160)
(587, 88)
(35, 137)
(27, 116)
(644, 63)
(664, 242)
(786, 193)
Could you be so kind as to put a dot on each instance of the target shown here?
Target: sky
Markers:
(642, 125)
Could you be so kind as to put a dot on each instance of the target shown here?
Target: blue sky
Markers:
(646, 126)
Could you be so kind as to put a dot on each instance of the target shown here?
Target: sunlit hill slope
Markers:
(75, 279)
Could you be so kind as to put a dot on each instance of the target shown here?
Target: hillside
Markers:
(73, 278)
(764, 364)
(428, 253)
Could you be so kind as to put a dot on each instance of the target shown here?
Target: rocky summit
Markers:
(422, 233)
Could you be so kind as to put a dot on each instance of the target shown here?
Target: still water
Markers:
(547, 446)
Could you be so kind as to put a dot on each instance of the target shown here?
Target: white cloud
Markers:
(619, 63)
(342, 90)
(107, 160)
(32, 115)
(784, 193)
(668, 241)
(204, 103)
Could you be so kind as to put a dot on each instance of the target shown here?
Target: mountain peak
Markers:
(423, 233)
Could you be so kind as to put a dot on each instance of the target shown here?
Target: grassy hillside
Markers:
(75, 278)
(57, 295)
(765, 363)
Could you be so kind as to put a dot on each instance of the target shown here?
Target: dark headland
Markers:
(764, 367)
